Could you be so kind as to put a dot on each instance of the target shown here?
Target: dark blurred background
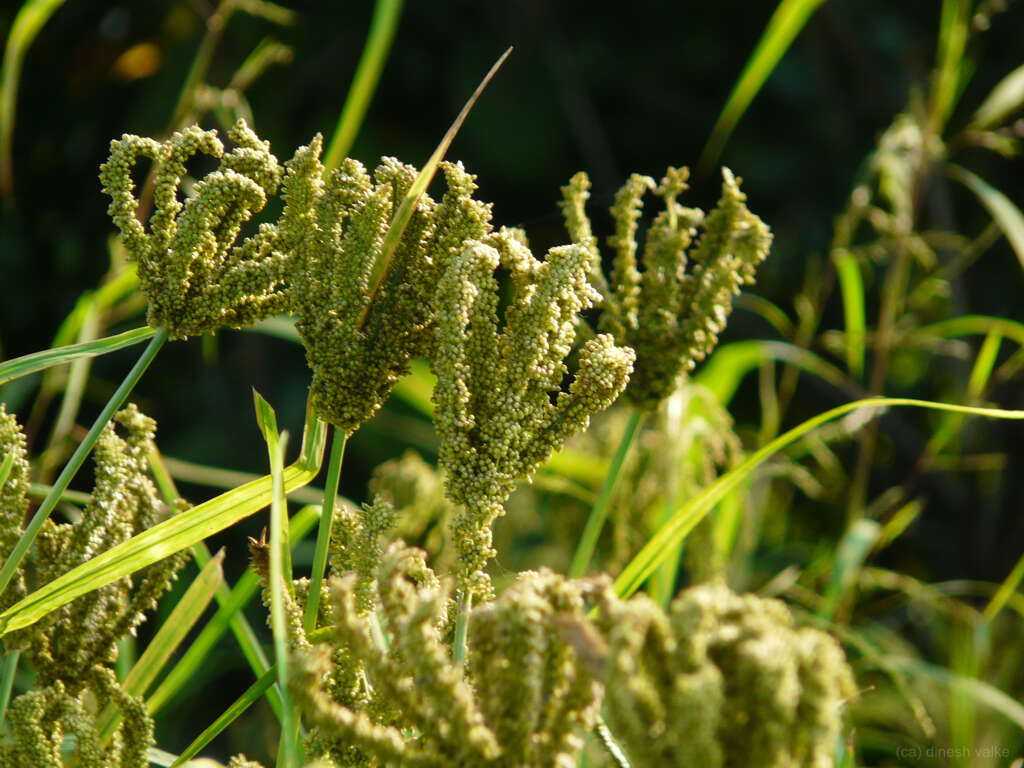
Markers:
(636, 87)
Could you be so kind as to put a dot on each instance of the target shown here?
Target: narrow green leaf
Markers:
(280, 579)
(184, 616)
(31, 17)
(265, 417)
(242, 703)
(38, 361)
(167, 639)
(853, 548)
(67, 474)
(1005, 214)
(899, 522)
(1005, 99)
(978, 690)
(5, 468)
(168, 537)
(971, 325)
(950, 75)
(114, 290)
(7, 672)
(240, 596)
(690, 513)
(323, 537)
(386, 14)
(728, 364)
(419, 186)
(852, 288)
(785, 24)
(1005, 591)
(599, 513)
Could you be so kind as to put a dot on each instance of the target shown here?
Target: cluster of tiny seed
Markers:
(360, 337)
(39, 720)
(723, 680)
(357, 545)
(423, 513)
(72, 648)
(195, 278)
(521, 701)
(669, 314)
(68, 643)
(536, 695)
(13, 499)
(500, 408)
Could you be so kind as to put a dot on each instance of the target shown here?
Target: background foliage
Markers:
(611, 93)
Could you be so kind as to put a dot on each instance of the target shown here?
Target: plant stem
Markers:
(7, 680)
(78, 458)
(461, 628)
(609, 743)
(323, 535)
(599, 513)
(386, 14)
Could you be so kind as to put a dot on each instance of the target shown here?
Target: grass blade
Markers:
(168, 537)
(1005, 214)
(852, 288)
(75, 462)
(599, 512)
(323, 536)
(5, 468)
(232, 713)
(728, 364)
(1005, 591)
(949, 76)
(167, 639)
(184, 616)
(690, 513)
(386, 14)
(858, 540)
(978, 690)
(38, 361)
(31, 17)
(419, 186)
(7, 673)
(280, 577)
(785, 24)
(239, 596)
(1005, 99)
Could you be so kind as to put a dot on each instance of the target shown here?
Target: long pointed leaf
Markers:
(38, 361)
(422, 181)
(785, 24)
(170, 536)
(31, 17)
(1005, 99)
(1005, 214)
(689, 514)
(386, 14)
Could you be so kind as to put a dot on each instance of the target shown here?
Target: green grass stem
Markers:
(280, 578)
(789, 18)
(599, 513)
(692, 511)
(7, 671)
(386, 15)
(31, 17)
(461, 628)
(38, 361)
(323, 535)
(78, 458)
(179, 532)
